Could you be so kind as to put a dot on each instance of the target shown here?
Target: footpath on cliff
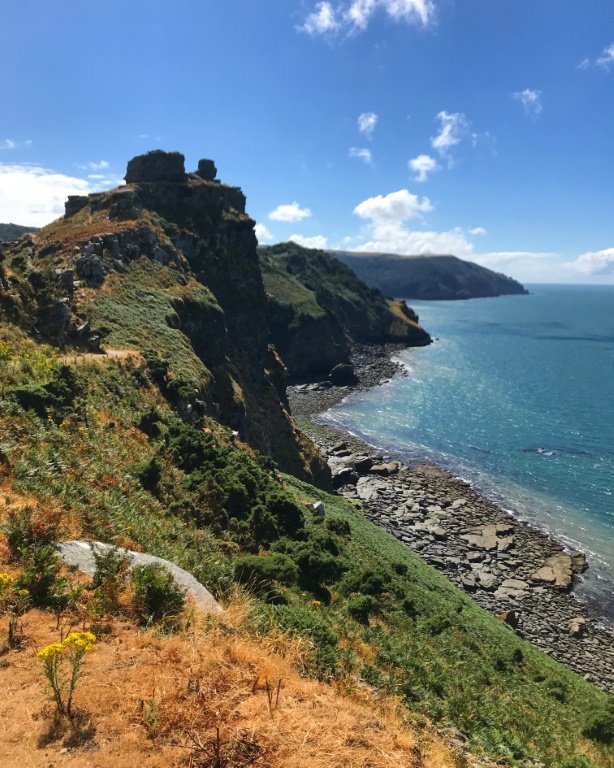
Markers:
(509, 567)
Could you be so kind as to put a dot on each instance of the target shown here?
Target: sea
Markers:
(515, 396)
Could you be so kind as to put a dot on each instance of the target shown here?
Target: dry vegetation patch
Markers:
(210, 697)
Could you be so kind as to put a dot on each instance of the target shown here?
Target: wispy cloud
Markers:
(531, 101)
(101, 165)
(366, 123)
(453, 127)
(606, 60)
(289, 212)
(361, 153)
(347, 17)
(479, 231)
(422, 166)
(13, 144)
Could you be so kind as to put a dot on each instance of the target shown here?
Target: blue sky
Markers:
(477, 127)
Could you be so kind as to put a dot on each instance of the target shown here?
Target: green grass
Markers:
(139, 311)
(370, 607)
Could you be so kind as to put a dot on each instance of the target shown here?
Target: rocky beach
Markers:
(510, 568)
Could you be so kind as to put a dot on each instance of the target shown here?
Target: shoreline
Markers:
(508, 566)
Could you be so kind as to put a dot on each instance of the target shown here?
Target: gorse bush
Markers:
(109, 579)
(600, 725)
(41, 577)
(159, 600)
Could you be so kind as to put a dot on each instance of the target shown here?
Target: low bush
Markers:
(260, 572)
(159, 600)
(109, 579)
(360, 607)
(600, 725)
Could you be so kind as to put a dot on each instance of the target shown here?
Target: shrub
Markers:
(360, 607)
(41, 577)
(158, 598)
(600, 725)
(29, 527)
(109, 578)
(367, 581)
(338, 527)
(149, 474)
(302, 621)
(261, 572)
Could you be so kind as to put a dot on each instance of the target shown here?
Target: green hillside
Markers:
(173, 446)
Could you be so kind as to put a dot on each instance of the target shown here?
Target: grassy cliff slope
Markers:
(317, 306)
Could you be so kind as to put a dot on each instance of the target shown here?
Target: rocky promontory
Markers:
(434, 277)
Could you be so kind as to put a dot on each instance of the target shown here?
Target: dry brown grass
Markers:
(209, 698)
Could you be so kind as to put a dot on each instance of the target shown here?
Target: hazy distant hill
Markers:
(10, 232)
(428, 277)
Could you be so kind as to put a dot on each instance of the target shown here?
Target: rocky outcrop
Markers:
(156, 166)
(174, 252)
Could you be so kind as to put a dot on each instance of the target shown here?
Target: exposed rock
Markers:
(90, 268)
(577, 626)
(80, 555)
(510, 617)
(206, 170)
(342, 375)
(391, 468)
(345, 476)
(557, 571)
(74, 204)
(318, 509)
(514, 588)
(363, 463)
(156, 166)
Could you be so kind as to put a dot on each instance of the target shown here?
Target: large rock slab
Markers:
(79, 554)
(556, 571)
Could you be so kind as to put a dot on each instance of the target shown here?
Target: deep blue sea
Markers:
(516, 395)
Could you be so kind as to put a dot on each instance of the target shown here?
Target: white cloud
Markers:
(530, 100)
(12, 144)
(263, 234)
(393, 207)
(322, 21)
(290, 212)
(594, 263)
(362, 153)
(453, 127)
(316, 241)
(478, 231)
(366, 123)
(607, 57)
(422, 165)
(354, 16)
(34, 196)
(101, 165)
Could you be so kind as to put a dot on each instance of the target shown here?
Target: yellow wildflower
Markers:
(6, 580)
(49, 652)
(315, 603)
(83, 641)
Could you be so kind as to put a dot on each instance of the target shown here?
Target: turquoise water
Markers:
(516, 395)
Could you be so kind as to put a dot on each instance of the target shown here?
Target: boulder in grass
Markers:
(80, 554)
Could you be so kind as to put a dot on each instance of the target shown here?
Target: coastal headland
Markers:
(510, 568)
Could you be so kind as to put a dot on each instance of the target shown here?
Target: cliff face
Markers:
(318, 306)
(429, 277)
(166, 265)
